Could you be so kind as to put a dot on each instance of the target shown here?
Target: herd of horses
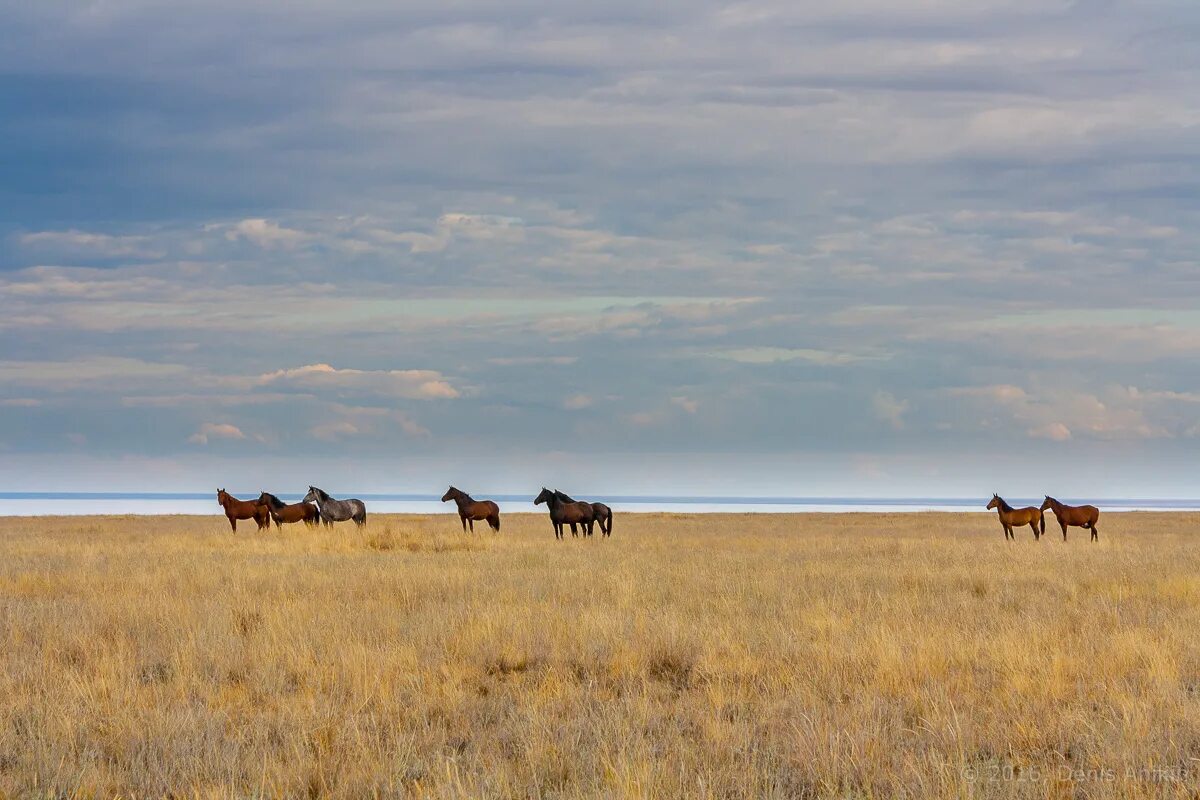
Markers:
(1068, 516)
(318, 507)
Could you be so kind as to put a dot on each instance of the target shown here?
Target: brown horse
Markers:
(296, 512)
(601, 513)
(470, 509)
(243, 509)
(566, 514)
(1010, 516)
(1080, 516)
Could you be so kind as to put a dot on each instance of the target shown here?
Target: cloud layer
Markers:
(694, 230)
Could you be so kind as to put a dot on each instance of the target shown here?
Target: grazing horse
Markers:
(332, 511)
(243, 509)
(1010, 516)
(566, 513)
(601, 513)
(470, 509)
(296, 512)
(1081, 516)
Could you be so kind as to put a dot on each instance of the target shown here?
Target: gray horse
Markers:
(336, 510)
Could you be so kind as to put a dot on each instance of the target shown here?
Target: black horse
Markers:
(561, 513)
(600, 512)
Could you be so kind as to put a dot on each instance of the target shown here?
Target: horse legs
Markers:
(574, 530)
(471, 522)
(1095, 534)
(463, 520)
(233, 524)
(1063, 525)
(1033, 527)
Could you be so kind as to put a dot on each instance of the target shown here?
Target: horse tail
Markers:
(610, 516)
(360, 518)
(494, 521)
(1042, 521)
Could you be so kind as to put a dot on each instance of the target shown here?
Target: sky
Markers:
(866, 248)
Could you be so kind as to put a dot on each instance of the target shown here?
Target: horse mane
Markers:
(1004, 506)
(275, 502)
(322, 494)
(563, 497)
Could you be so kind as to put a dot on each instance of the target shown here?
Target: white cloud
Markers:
(413, 383)
(266, 234)
(216, 430)
(1055, 431)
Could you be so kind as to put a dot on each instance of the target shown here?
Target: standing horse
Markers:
(470, 509)
(1082, 516)
(332, 511)
(601, 513)
(243, 509)
(296, 512)
(1010, 516)
(566, 513)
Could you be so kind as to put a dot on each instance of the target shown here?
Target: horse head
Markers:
(450, 494)
(545, 497)
(1048, 503)
(994, 502)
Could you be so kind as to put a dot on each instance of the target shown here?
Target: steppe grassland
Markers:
(699, 656)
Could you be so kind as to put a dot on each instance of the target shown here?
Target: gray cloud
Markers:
(761, 228)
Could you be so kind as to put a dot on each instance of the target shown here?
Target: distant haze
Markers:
(761, 248)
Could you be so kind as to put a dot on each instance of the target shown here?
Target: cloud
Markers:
(65, 375)
(216, 430)
(577, 402)
(266, 234)
(1055, 431)
(775, 355)
(334, 431)
(351, 421)
(989, 212)
(1056, 413)
(889, 409)
(686, 403)
(414, 384)
(77, 243)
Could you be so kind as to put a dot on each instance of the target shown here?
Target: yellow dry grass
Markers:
(720, 656)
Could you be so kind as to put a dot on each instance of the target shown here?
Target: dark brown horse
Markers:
(296, 512)
(1079, 516)
(1010, 516)
(566, 514)
(243, 509)
(470, 509)
(601, 513)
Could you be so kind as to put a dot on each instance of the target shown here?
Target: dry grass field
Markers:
(721, 656)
